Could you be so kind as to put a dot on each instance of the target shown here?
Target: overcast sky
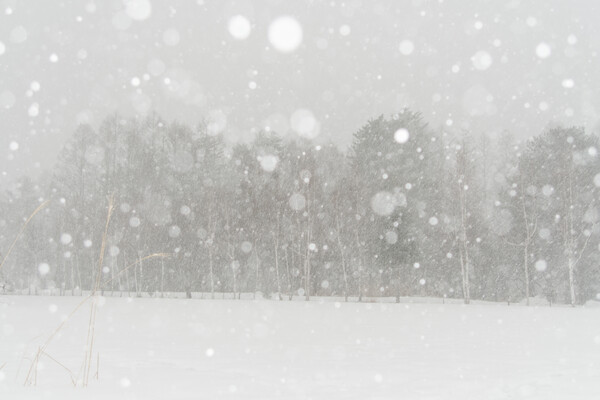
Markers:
(486, 66)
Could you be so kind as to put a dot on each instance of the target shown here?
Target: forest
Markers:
(407, 210)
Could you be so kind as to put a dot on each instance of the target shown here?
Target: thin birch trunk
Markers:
(343, 259)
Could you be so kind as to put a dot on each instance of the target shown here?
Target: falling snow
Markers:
(309, 199)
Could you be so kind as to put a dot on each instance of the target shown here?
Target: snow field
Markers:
(226, 349)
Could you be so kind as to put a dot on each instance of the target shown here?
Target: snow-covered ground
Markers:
(226, 349)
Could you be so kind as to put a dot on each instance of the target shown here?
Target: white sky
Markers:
(485, 65)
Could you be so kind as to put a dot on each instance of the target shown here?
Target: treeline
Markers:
(406, 211)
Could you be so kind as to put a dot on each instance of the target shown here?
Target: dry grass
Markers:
(87, 362)
(86, 367)
(12, 246)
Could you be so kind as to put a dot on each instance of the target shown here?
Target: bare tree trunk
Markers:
(307, 274)
(119, 278)
(463, 242)
(528, 238)
(526, 270)
(231, 254)
(141, 276)
(112, 276)
(127, 280)
(79, 277)
(277, 259)
(73, 277)
(572, 243)
(463, 275)
(234, 282)
(572, 280)
(287, 265)
(210, 265)
(162, 277)
(277, 270)
(398, 285)
(343, 259)
(525, 244)
(257, 269)
(467, 277)
(360, 267)
(307, 259)
(137, 290)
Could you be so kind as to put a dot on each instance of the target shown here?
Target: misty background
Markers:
(299, 199)
(489, 67)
